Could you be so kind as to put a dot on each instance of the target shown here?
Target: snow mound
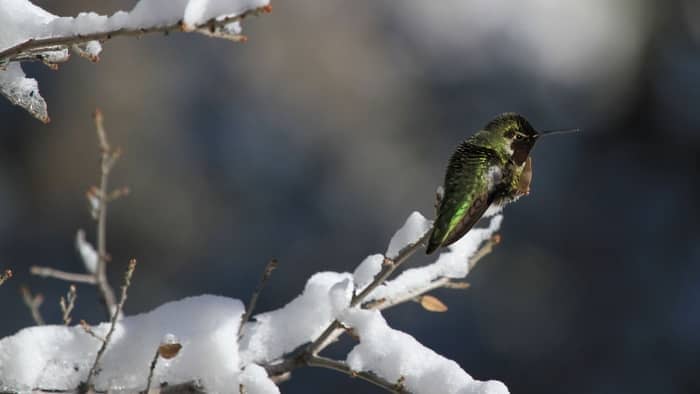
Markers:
(60, 357)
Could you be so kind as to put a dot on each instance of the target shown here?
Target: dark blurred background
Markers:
(312, 142)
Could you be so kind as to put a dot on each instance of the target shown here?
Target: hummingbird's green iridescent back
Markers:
(465, 198)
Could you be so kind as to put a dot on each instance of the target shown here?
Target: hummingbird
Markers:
(491, 168)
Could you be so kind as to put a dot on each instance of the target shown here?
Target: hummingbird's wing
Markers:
(470, 172)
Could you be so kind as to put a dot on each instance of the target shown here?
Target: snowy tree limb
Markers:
(30, 33)
(443, 282)
(389, 265)
(33, 48)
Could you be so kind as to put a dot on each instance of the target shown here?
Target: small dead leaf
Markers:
(169, 350)
(432, 304)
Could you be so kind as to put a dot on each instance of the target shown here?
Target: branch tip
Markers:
(267, 272)
(7, 274)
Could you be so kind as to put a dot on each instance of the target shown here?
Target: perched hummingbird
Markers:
(491, 168)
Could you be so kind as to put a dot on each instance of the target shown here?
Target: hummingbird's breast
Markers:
(507, 190)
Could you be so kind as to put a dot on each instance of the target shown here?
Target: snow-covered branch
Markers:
(30, 33)
(57, 358)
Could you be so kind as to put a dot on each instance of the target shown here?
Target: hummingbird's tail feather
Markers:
(431, 247)
(434, 242)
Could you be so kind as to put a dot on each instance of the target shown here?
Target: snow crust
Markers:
(22, 91)
(21, 20)
(415, 227)
(59, 357)
(280, 331)
(395, 355)
(87, 252)
(368, 268)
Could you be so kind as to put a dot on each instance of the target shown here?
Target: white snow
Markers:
(22, 91)
(93, 48)
(60, 357)
(87, 253)
(303, 319)
(200, 11)
(367, 270)
(392, 354)
(21, 20)
(415, 227)
(255, 381)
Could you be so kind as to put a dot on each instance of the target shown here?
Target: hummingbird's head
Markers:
(514, 133)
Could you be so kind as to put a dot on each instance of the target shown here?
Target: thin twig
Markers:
(68, 303)
(152, 370)
(27, 50)
(108, 160)
(324, 362)
(33, 303)
(113, 322)
(49, 272)
(7, 274)
(484, 250)
(269, 267)
(88, 330)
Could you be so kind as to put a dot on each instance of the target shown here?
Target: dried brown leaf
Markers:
(169, 350)
(432, 304)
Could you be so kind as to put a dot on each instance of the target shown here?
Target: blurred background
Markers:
(313, 141)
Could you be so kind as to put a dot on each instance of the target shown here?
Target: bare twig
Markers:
(484, 250)
(151, 370)
(118, 193)
(113, 322)
(324, 362)
(88, 330)
(68, 303)
(33, 302)
(271, 265)
(169, 348)
(7, 274)
(48, 272)
(108, 160)
(30, 49)
(99, 199)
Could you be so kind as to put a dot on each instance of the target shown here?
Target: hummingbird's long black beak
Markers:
(559, 131)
